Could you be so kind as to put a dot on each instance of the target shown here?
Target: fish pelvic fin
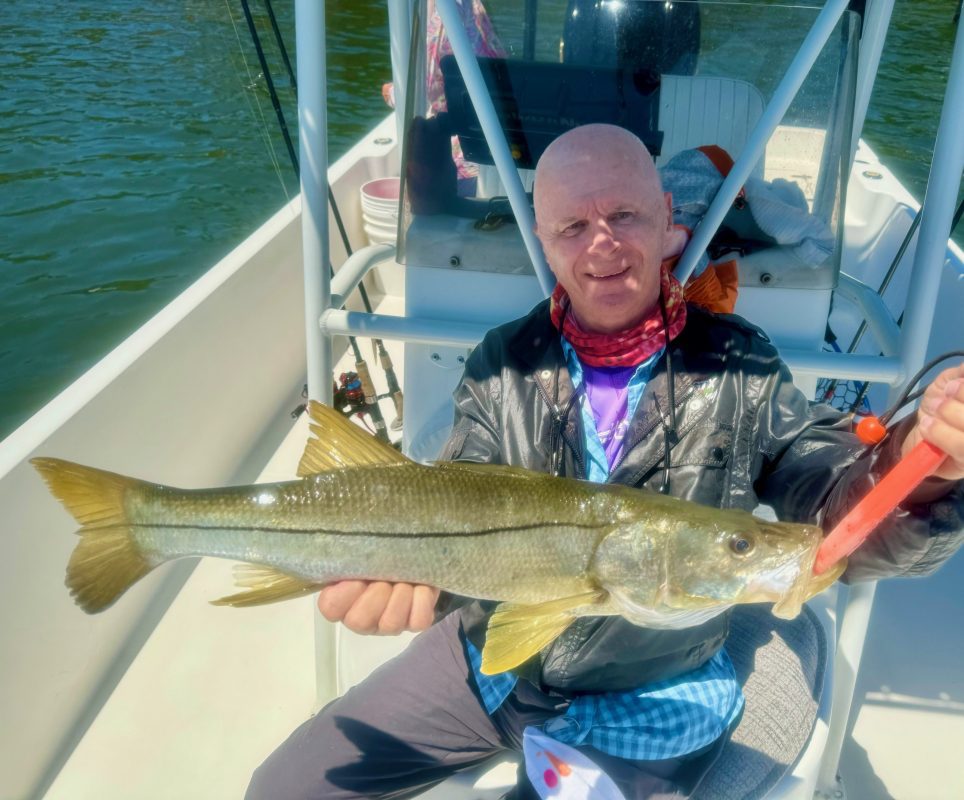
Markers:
(517, 632)
(337, 442)
(265, 585)
(106, 561)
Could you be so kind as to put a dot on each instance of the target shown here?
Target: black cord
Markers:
(907, 396)
(669, 434)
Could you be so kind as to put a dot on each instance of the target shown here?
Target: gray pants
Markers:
(418, 719)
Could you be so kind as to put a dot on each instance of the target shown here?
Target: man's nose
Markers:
(604, 241)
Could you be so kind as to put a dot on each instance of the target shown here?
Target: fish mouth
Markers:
(807, 584)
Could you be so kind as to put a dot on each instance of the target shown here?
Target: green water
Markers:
(138, 145)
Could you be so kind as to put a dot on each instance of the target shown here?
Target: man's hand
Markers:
(940, 421)
(378, 606)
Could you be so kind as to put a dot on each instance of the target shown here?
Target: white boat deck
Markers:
(215, 690)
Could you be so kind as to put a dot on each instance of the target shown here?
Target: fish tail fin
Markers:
(106, 561)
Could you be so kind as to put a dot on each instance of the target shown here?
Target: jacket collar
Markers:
(536, 344)
(694, 366)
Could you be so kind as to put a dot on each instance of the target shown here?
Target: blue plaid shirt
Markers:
(663, 719)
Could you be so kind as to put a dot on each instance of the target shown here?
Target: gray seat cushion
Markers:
(782, 665)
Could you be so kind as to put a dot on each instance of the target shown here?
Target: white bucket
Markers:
(379, 202)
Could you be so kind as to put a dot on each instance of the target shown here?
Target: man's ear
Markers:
(676, 236)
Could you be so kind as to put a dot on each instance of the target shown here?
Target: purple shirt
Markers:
(608, 403)
(607, 390)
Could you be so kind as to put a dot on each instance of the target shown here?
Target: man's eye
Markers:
(574, 229)
(621, 216)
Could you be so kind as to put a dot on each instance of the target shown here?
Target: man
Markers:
(613, 379)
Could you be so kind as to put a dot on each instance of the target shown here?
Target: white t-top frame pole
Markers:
(313, 156)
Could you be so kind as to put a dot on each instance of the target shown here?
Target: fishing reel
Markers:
(349, 395)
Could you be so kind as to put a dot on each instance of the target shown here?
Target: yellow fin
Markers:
(106, 561)
(265, 585)
(92, 496)
(516, 633)
(338, 442)
(104, 565)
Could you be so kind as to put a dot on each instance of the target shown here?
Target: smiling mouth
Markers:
(608, 276)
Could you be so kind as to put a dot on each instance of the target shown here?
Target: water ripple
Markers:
(137, 146)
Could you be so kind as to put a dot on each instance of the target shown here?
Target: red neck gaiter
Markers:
(626, 348)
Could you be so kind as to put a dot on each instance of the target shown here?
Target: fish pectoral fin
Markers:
(265, 585)
(337, 442)
(518, 632)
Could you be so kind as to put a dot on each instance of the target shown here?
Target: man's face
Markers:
(603, 224)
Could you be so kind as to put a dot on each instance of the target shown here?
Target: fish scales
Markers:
(527, 567)
(404, 499)
(406, 523)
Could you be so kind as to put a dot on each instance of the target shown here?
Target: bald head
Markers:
(594, 150)
(604, 223)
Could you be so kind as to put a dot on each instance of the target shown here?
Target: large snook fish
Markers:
(552, 549)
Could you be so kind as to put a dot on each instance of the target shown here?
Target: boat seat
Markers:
(784, 666)
(694, 110)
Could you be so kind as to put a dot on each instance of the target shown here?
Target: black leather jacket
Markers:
(746, 435)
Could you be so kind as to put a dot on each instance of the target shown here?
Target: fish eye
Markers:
(741, 545)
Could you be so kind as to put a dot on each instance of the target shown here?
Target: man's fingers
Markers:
(367, 610)
(950, 439)
(379, 606)
(941, 420)
(336, 599)
(423, 607)
(394, 618)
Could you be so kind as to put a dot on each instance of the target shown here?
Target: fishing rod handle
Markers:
(893, 488)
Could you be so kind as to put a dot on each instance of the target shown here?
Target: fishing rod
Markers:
(275, 102)
(385, 359)
(361, 366)
(279, 39)
(343, 233)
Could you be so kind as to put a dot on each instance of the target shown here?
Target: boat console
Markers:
(466, 258)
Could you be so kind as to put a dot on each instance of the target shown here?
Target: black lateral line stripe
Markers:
(422, 534)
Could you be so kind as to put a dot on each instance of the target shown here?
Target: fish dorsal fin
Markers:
(337, 442)
(518, 632)
(265, 585)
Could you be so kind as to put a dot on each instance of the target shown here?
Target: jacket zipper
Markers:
(680, 402)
